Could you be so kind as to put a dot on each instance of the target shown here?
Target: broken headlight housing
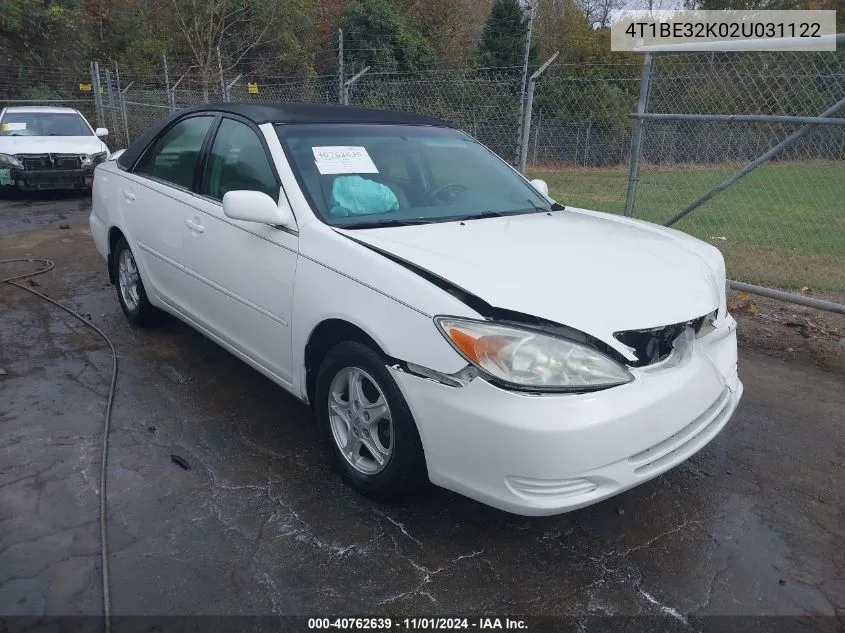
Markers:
(92, 160)
(707, 325)
(7, 160)
(529, 359)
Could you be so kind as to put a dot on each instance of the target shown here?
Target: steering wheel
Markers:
(437, 194)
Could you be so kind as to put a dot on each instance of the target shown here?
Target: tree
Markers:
(43, 33)
(599, 12)
(377, 35)
(452, 27)
(503, 38)
(235, 28)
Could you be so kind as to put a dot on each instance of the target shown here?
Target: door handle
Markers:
(195, 226)
(128, 195)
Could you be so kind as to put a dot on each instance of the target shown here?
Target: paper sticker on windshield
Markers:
(11, 127)
(341, 159)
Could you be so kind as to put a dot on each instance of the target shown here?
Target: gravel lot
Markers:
(260, 524)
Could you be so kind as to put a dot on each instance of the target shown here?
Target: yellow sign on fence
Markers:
(252, 89)
(85, 87)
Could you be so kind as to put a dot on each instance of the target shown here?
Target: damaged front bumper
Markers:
(537, 454)
(34, 180)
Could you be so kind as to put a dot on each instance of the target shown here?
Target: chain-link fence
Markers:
(39, 86)
(484, 103)
(782, 225)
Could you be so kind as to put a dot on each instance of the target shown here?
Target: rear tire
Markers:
(370, 432)
(130, 288)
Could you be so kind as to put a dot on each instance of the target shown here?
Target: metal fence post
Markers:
(222, 80)
(347, 86)
(523, 86)
(120, 116)
(340, 66)
(173, 92)
(121, 105)
(112, 106)
(637, 138)
(587, 140)
(170, 107)
(123, 109)
(529, 104)
(98, 98)
(231, 85)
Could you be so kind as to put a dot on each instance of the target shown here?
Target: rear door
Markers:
(242, 273)
(157, 201)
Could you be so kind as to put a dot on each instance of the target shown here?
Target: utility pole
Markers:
(524, 85)
(340, 65)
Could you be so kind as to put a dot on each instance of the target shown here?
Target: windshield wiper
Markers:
(383, 223)
(477, 216)
(554, 206)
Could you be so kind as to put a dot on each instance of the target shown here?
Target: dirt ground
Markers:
(790, 331)
(260, 524)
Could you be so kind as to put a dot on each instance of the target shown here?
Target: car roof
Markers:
(260, 113)
(42, 109)
(282, 113)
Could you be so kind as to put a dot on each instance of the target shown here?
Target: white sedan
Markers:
(45, 147)
(445, 319)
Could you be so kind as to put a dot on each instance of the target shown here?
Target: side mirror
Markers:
(541, 186)
(101, 132)
(257, 206)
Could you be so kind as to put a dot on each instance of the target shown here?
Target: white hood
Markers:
(592, 271)
(51, 145)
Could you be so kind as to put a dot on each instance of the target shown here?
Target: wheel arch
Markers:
(115, 234)
(328, 333)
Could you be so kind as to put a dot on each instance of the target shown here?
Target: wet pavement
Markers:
(260, 523)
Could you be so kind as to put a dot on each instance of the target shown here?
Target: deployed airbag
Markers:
(354, 195)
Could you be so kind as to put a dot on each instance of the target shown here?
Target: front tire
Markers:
(130, 288)
(369, 429)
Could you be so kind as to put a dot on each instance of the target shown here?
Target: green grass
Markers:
(783, 225)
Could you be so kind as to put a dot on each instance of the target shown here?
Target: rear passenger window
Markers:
(238, 161)
(173, 157)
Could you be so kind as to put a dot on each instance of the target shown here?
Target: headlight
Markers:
(89, 160)
(7, 160)
(530, 359)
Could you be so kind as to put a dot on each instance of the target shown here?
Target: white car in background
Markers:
(442, 315)
(48, 148)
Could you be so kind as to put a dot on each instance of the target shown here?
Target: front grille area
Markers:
(67, 161)
(46, 162)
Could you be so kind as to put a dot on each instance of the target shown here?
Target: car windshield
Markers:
(363, 176)
(44, 124)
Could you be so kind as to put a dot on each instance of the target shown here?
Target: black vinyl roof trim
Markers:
(282, 113)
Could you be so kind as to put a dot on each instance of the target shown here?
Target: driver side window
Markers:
(238, 161)
(173, 157)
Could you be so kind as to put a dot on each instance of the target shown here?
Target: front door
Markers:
(242, 273)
